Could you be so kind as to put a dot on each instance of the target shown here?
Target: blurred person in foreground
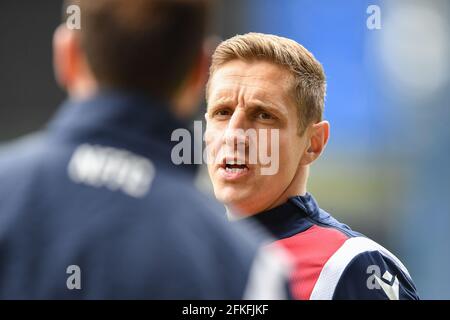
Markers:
(93, 207)
(272, 85)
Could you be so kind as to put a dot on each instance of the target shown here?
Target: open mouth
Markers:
(235, 168)
(232, 169)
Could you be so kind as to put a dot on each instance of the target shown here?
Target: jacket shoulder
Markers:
(363, 269)
(310, 251)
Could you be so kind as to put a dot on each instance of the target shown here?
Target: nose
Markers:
(235, 133)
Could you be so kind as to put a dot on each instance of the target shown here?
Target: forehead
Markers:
(255, 79)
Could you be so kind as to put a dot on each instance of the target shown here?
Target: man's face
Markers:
(256, 96)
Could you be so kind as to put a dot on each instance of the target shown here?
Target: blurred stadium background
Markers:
(386, 170)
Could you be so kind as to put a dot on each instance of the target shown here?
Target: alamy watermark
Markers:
(73, 282)
(243, 147)
(73, 21)
(373, 21)
(387, 282)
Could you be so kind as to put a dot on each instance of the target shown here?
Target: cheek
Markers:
(208, 136)
(268, 142)
(214, 130)
(290, 152)
(213, 142)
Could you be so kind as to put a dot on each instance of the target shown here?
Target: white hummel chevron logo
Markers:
(391, 290)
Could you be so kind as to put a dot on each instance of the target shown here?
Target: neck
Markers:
(297, 187)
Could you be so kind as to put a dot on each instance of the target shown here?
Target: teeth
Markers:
(233, 162)
(235, 170)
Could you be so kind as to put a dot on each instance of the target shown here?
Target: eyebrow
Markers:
(262, 100)
(268, 106)
(220, 101)
(253, 104)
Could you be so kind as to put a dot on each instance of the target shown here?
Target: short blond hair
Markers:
(309, 87)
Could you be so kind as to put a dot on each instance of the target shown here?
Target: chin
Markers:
(232, 197)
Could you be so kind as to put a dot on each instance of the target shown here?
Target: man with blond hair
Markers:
(267, 84)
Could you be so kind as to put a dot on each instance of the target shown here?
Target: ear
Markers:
(65, 48)
(317, 136)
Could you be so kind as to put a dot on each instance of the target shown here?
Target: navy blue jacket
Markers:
(94, 208)
(331, 261)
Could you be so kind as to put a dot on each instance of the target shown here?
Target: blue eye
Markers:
(222, 113)
(264, 116)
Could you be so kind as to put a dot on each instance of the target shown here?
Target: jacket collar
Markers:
(129, 120)
(130, 112)
(296, 215)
